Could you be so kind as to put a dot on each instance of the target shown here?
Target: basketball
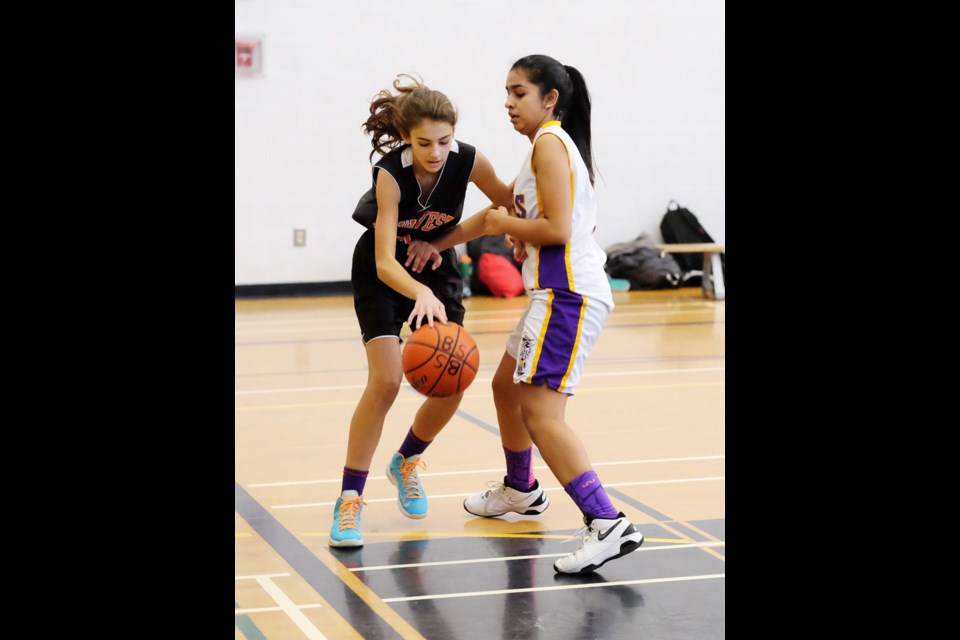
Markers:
(441, 360)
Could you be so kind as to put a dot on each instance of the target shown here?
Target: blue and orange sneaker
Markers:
(345, 531)
(402, 474)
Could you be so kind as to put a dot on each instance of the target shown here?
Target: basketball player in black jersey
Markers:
(419, 187)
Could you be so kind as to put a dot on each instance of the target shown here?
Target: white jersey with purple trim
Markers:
(567, 287)
(578, 265)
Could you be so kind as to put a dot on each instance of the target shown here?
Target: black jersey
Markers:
(381, 310)
(422, 214)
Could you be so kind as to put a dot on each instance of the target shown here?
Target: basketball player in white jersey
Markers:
(551, 228)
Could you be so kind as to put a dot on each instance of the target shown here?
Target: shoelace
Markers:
(408, 471)
(349, 510)
(495, 488)
(580, 534)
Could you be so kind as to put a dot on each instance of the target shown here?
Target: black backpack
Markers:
(640, 263)
(680, 226)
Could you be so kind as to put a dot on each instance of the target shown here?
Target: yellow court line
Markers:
(425, 534)
(381, 608)
(712, 552)
(473, 396)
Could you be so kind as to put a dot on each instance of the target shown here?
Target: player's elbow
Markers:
(559, 234)
(383, 270)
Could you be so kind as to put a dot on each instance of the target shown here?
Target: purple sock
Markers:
(412, 445)
(590, 497)
(354, 479)
(519, 469)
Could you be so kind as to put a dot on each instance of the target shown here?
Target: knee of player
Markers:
(384, 388)
(503, 387)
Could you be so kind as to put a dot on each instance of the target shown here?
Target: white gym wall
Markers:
(655, 70)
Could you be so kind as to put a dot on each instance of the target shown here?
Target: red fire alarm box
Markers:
(249, 55)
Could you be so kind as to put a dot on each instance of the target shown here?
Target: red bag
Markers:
(500, 275)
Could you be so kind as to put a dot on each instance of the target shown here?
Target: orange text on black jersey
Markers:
(429, 221)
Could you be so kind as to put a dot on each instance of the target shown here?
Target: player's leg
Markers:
(434, 414)
(549, 377)
(431, 418)
(520, 492)
(384, 372)
(375, 306)
(384, 375)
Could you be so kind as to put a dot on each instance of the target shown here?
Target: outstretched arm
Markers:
(483, 175)
(420, 253)
(500, 194)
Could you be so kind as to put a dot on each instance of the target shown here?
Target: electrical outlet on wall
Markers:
(299, 237)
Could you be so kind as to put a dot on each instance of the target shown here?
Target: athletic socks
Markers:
(354, 480)
(590, 497)
(412, 445)
(519, 469)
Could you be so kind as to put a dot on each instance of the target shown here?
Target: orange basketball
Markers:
(441, 360)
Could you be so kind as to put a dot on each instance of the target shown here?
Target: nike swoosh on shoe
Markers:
(603, 534)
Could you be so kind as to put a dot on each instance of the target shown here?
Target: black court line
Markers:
(247, 627)
(348, 604)
(486, 427)
(639, 506)
(696, 536)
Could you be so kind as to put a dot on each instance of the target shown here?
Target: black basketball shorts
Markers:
(380, 309)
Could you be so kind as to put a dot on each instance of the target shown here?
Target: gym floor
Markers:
(650, 411)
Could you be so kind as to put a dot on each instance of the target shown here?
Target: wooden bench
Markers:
(712, 287)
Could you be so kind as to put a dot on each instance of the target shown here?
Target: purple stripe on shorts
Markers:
(560, 339)
(552, 268)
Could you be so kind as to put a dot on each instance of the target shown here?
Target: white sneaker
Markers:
(603, 540)
(499, 499)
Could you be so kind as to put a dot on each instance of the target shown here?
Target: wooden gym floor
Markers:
(650, 411)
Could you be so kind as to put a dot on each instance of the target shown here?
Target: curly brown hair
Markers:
(394, 115)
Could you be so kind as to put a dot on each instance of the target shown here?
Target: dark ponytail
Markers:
(573, 105)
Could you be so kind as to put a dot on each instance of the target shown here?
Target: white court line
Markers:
(497, 470)
(266, 609)
(340, 387)
(498, 592)
(324, 327)
(292, 610)
(640, 372)
(328, 328)
(517, 311)
(324, 324)
(464, 495)
(643, 372)
(666, 547)
(316, 320)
